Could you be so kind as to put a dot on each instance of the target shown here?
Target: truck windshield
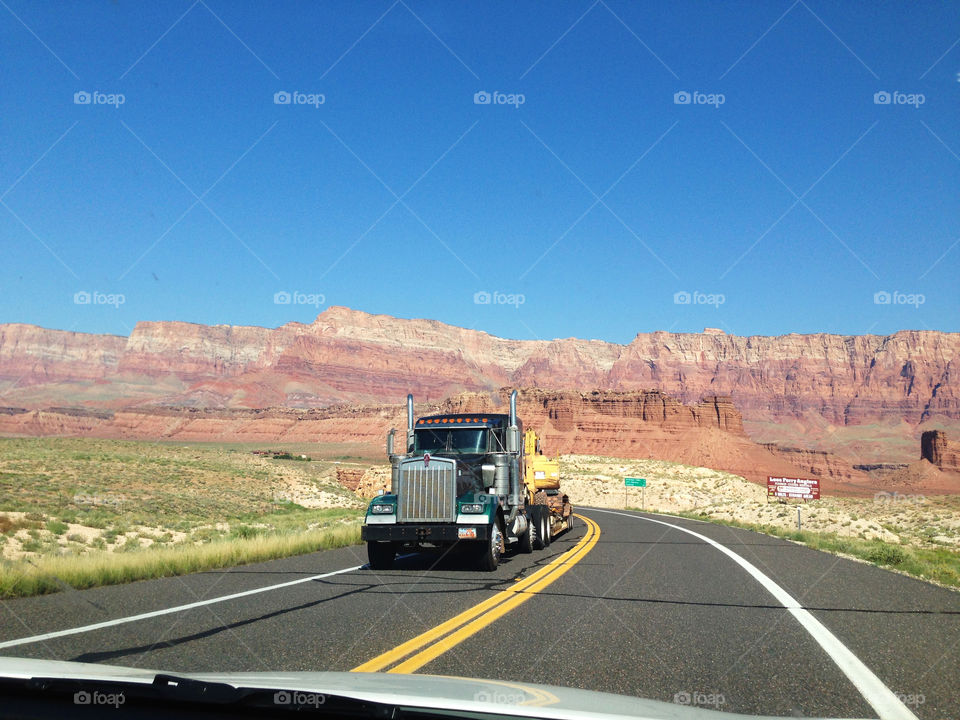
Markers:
(459, 440)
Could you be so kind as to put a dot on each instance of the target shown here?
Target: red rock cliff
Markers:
(351, 356)
(936, 449)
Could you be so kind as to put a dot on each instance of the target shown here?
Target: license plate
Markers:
(467, 533)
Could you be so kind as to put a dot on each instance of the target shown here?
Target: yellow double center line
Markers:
(438, 640)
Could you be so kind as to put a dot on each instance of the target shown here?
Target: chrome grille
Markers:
(427, 494)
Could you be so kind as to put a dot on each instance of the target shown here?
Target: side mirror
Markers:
(390, 441)
(489, 475)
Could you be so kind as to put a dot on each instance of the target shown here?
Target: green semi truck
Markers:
(459, 479)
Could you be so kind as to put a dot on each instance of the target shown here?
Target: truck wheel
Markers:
(529, 539)
(537, 520)
(490, 554)
(547, 532)
(381, 555)
(570, 521)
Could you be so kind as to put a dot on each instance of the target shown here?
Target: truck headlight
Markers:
(382, 509)
(471, 508)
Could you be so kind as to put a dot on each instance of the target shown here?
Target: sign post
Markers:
(635, 482)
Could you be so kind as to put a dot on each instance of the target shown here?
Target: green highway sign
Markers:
(635, 482)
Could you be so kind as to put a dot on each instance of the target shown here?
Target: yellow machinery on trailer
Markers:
(542, 478)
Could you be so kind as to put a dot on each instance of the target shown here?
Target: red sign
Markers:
(794, 488)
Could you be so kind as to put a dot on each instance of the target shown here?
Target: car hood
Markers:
(495, 697)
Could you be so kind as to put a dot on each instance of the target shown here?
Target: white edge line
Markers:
(167, 611)
(881, 698)
(658, 514)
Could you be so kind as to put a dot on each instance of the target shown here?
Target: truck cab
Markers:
(458, 480)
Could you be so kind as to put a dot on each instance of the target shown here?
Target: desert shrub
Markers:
(887, 555)
(57, 527)
(110, 535)
(245, 532)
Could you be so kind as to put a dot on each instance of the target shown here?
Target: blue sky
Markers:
(587, 199)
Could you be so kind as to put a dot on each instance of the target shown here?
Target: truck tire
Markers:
(489, 556)
(538, 520)
(570, 521)
(529, 539)
(547, 532)
(381, 555)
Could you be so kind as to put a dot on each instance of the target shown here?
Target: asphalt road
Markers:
(642, 609)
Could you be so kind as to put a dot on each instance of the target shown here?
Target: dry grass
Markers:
(53, 573)
(83, 512)
(73, 496)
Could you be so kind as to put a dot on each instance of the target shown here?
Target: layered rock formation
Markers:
(347, 356)
(936, 449)
(350, 356)
(824, 465)
(619, 424)
(350, 477)
(563, 410)
(937, 471)
(651, 424)
(30, 354)
(846, 379)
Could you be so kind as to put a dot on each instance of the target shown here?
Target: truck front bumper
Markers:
(426, 532)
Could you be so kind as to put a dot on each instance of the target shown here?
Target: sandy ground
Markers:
(79, 537)
(894, 517)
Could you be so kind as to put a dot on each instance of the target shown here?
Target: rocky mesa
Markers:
(348, 356)
(939, 451)
(628, 424)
